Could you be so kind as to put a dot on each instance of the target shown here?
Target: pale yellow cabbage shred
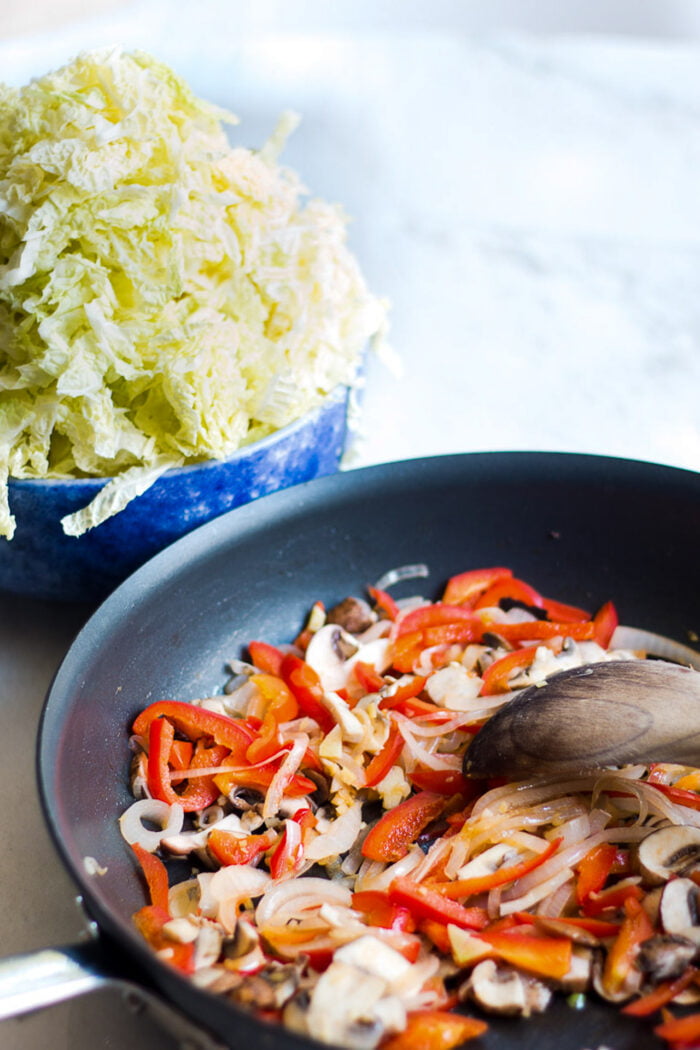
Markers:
(165, 297)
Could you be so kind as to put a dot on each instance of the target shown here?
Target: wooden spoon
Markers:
(606, 714)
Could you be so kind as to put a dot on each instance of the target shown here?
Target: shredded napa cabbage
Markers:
(165, 297)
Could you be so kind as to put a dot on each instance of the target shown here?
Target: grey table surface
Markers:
(527, 201)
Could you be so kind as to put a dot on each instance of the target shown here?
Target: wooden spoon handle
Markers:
(598, 715)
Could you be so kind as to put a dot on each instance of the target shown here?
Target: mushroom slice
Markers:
(342, 1007)
(503, 990)
(666, 956)
(269, 989)
(578, 978)
(674, 850)
(352, 614)
(679, 908)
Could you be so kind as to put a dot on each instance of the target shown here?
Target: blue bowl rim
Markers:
(336, 396)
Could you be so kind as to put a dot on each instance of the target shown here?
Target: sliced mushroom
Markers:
(189, 841)
(207, 947)
(610, 988)
(269, 989)
(327, 652)
(560, 928)
(243, 951)
(578, 978)
(342, 1007)
(666, 956)
(352, 614)
(489, 861)
(679, 908)
(503, 990)
(674, 850)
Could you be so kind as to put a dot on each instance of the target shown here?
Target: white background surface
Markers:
(523, 179)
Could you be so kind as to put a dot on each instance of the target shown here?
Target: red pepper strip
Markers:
(483, 883)
(437, 934)
(260, 778)
(680, 795)
(680, 1031)
(619, 961)
(405, 690)
(406, 651)
(180, 756)
(435, 1030)
(289, 852)
(605, 621)
(466, 587)
(399, 827)
(510, 589)
(425, 903)
(194, 722)
(305, 684)
(384, 601)
(444, 782)
(594, 869)
(386, 758)
(281, 706)
(497, 676)
(437, 615)
(416, 708)
(596, 927)
(369, 679)
(160, 739)
(267, 658)
(564, 613)
(661, 995)
(149, 921)
(548, 957)
(451, 634)
(201, 792)
(156, 876)
(379, 910)
(229, 848)
(532, 630)
(614, 897)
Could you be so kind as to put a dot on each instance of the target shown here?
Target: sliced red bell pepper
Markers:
(199, 792)
(404, 689)
(399, 827)
(509, 589)
(466, 587)
(562, 613)
(384, 601)
(259, 778)
(613, 897)
(661, 995)
(548, 957)
(149, 921)
(379, 910)
(619, 962)
(682, 1032)
(497, 676)
(156, 876)
(386, 758)
(289, 852)
(424, 903)
(594, 869)
(369, 679)
(435, 1030)
(534, 630)
(267, 658)
(280, 706)
(469, 887)
(444, 782)
(180, 756)
(194, 722)
(681, 796)
(604, 623)
(306, 686)
(414, 707)
(437, 933)
(229, 848)
(436, 615)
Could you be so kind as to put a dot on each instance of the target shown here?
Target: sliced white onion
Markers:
(654, 644)
(339, 838)
(402, 572)
(132, 827)
(537, 893)
(232, 885)
(285, 900)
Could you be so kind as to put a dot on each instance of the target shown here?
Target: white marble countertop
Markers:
(528, 202)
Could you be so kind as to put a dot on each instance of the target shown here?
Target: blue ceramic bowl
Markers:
(43, 562)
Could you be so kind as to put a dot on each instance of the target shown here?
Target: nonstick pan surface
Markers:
(582, 528)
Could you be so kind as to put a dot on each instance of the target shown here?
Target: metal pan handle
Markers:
(36, 980)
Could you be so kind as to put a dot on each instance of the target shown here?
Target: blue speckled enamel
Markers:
(43, 562)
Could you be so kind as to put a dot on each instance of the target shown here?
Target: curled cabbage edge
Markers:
(166, 296)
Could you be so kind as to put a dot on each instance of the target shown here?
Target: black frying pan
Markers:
(581, 528)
